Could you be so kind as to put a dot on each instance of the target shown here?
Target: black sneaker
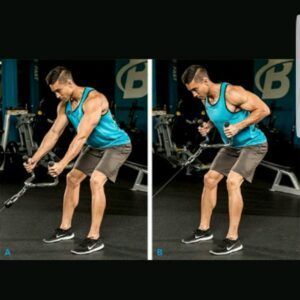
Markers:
(198, 236)
(59, 235)
(227, 246)
(88, 246)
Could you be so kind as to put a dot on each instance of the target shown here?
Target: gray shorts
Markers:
(243, 161)
(107, 161)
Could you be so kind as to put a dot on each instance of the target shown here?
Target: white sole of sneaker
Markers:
(65, 238)
(225, 253)
(198, 240)
(88, 252)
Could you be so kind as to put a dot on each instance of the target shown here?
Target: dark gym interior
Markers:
(270, 222)
(35, 214)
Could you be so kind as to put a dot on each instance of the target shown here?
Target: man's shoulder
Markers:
(96, 99)
(231, 88)
(233, 91)
(94, 94)
(235, 94)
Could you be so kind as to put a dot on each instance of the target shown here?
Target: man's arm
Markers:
(93, 108)
(52, 136)
(239, 97)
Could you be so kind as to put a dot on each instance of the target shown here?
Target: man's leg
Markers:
(109, 162)
(235, 203)
(93, 242)
(208, 203)
(71, 197)
(209, 197)
(97, 182)
(244, 169)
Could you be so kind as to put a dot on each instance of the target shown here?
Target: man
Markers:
(106, 149)
(242, 109)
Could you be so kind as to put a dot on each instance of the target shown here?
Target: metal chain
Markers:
(203, 145)
(15, 197)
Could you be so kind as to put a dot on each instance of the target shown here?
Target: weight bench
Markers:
(142, 170)
(283, 170)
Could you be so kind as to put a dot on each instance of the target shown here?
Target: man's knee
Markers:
(98, 180)
(74, 178)
(211, 179)
(234, 181)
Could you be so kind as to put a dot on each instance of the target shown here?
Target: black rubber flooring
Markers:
(269, 229)
(38, 213)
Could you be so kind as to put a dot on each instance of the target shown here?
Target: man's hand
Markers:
(30, 164)
(231, 131)
(56, 169)
(205, 128)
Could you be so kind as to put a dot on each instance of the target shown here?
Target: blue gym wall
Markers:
(274, 82)
(10, 92)
(130, 86)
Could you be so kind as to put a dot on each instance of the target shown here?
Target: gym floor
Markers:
(269, 229)
(38, 213)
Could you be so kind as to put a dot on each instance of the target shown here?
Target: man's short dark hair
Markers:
(59, 73)
(194, 72)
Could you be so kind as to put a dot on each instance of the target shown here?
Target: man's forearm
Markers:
(47, 144)
(254, 117)
(73, 150)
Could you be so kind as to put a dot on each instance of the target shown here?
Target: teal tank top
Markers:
(106, 134)
(218, 113)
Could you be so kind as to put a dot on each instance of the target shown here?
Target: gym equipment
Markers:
(142, 170)
(203, 145)
(11, 154)
(24, 126)
(5, 132)
(28, 184)
(27, 146)
(168, 150)
(138, 140)
(281, 171)
(1, 155)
